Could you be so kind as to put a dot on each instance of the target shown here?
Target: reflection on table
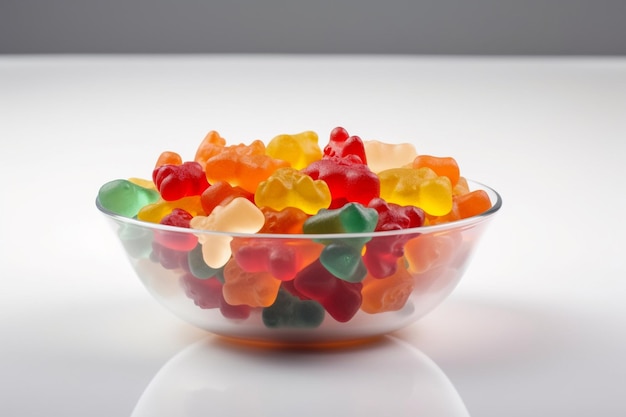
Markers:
(384, 378)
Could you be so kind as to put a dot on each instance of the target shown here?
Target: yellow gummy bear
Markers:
(417, 187)
(238, 216)
(155, 212)
(288, 187)
(299, 150)
(381, 156)
(143, 183)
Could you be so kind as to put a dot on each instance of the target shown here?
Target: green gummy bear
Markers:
(344, 262)
(289, 311)
(200, 269)
(125, 198)
(351, 218)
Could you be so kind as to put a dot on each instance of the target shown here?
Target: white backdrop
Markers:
(535, 328)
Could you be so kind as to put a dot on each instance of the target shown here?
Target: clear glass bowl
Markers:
(278, 288)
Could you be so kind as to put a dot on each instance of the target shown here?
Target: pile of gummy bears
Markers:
(293, 187)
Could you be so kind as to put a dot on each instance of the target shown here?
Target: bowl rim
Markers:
(457, 224)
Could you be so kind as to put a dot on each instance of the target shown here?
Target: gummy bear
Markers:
(211, 145)
(177, 181)
(388, 294)
(221, 193)
(168, 158)
(299, 150)
(199, 268)
(351, 218)
(125, 198)
(238, 216)
(341, 299)
(290, 311)
(473, 203)
(341, 144)
(169, 258)
(382, 156)
(281, 258)
(382, 252)
(428, 251)
(443, 166)
(156, 211)
(289, 220)
(469, 204)
(344, 261)
(207, 294)
(347, 178)
(342, 256)
(255, 289)
(288, 187)
(142, 182)
(242, 165)
(176, 240)
(420, 187)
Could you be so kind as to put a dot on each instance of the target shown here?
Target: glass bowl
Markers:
(279, 288)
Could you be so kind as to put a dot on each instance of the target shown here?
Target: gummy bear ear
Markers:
(342, 145)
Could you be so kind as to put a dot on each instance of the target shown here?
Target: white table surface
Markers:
(537, 327)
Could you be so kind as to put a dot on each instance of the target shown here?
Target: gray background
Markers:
(486, 27)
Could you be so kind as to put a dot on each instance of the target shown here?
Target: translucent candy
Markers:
(382, 156)
(177, 181)
(299, 150)
(341, 144)
(155, 212)
(211, 145)
(238, 216)
(281, 258)
(288, 220)
(289, 311)
(221, 193)
(242, 165)
(125, 198)
(348, 179)
(288, 187)
(388, 294)
(168, 158)
(442, 166)
(420, 187)
(254, 289)
(341, 299)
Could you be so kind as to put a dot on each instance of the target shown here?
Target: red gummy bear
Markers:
(177, 181)
(341, 299)
(283, 259)
(341, 144)
(382, 252)
(347, 179)
(169, 258)
(176, 240)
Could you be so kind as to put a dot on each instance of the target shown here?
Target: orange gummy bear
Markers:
(211, 145)
(242, 165)
(168, 158)
(473, 203)
(387, 294)
(443, 166)
(255, 289)
(287, 220)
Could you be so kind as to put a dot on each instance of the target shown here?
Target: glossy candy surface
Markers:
(299, 241)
